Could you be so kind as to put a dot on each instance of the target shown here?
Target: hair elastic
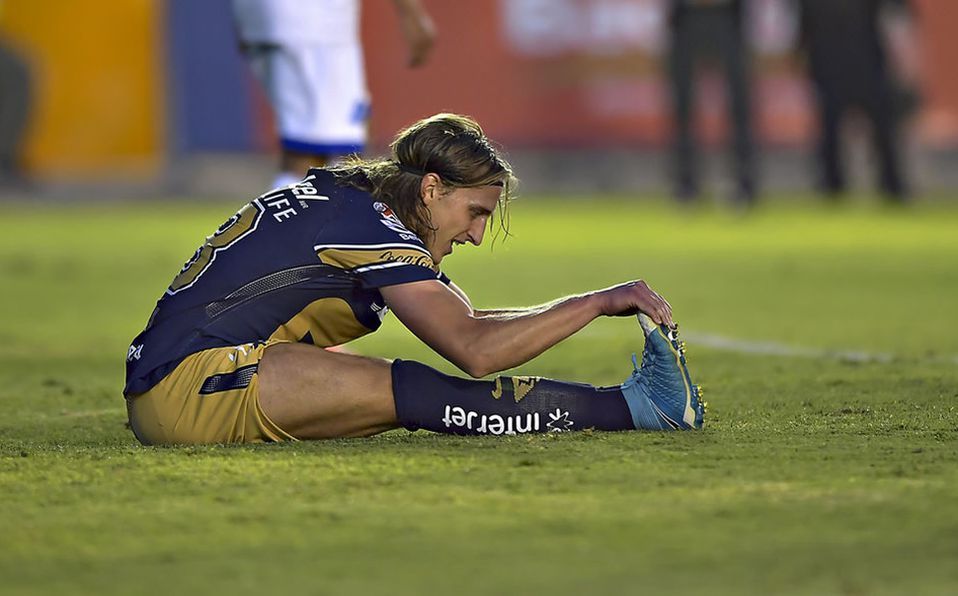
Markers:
(409, 169)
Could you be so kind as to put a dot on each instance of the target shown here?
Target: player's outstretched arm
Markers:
(484, 342)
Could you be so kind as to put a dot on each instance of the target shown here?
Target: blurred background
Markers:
(130, 98)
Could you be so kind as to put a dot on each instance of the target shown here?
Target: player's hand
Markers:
(629, 298)
(418, 29)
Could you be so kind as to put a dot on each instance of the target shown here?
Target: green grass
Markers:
(814, 475)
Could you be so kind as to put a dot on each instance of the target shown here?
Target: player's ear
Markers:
(430, 189)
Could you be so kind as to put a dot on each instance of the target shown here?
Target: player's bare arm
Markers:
(485, 342)
(648, 302)
(480, 345)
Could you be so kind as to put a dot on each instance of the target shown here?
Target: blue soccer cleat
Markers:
(660, 393)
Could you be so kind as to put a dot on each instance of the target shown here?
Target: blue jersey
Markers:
(302, 263)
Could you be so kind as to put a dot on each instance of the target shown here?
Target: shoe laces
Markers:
(643, 372)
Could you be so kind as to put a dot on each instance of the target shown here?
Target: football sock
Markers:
(428, 399)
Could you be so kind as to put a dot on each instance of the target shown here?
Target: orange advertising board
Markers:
(591, 73)
(97, 85)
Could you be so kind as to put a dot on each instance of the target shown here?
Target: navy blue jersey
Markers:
(301, 263)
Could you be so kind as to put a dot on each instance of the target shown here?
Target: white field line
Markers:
(737, 345)
(773, 348)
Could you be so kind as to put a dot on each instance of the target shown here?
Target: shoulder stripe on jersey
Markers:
(367, 257)
(379, 266)
(421, 249)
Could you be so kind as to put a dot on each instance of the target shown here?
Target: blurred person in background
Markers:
(849, 64)
(702, 29)
(309, 59)
(14, 111)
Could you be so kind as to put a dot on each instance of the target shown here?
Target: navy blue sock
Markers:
(428, 399)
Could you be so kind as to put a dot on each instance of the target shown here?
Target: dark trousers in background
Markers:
(716, 33)
(871, 91)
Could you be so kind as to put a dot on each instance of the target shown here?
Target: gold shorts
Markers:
(210, 397)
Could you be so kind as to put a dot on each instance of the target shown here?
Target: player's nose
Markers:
(476, 231)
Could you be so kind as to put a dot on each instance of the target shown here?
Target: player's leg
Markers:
(319, 100)
(293, 166)
(658, 396)
(313, 394)
(880, 109)
(830, 109)
(682, 82)
(211, 396)
(736, 59)
(276, 72)
(321, 104)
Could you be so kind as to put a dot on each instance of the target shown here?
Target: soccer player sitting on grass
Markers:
(233, 351)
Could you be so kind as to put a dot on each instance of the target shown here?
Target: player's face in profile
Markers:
(460, 216)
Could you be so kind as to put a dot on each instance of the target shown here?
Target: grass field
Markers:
(829, 463)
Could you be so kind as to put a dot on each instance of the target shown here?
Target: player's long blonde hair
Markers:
(449, 145)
